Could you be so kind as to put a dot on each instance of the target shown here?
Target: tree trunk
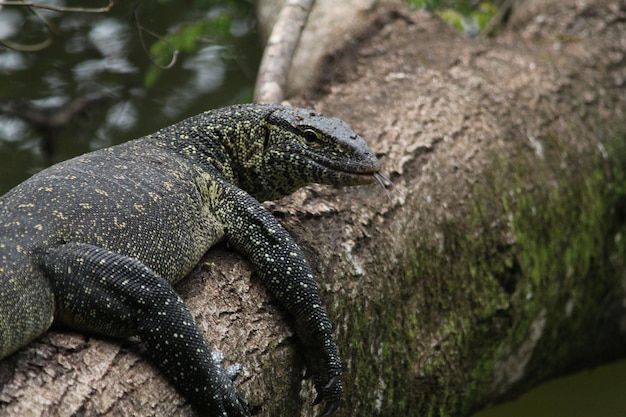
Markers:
(495, 263)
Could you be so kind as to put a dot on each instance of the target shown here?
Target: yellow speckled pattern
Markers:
(96, 241)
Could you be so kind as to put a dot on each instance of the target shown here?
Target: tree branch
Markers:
(63, 9)
(497, 263)
(281, 45)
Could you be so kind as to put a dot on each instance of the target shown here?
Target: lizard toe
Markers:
(330, 408)
(330, 394)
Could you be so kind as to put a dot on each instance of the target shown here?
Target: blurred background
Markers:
(98, 82)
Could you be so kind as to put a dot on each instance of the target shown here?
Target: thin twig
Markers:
(32, 7)
(35, 46)
(63, 9)
(141, 30)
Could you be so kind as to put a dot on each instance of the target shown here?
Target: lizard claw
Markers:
(231, 404)
(231, 371)
(331, 393)
(330, 408)
(234, 370)
(325, 367)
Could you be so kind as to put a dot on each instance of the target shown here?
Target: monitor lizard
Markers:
(96, 242)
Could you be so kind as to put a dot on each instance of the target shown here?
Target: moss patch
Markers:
(539, 251)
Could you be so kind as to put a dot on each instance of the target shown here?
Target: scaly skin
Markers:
(95, 242)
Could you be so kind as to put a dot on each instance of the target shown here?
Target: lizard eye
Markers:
(311, 136)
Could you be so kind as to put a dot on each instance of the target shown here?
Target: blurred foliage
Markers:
(184, 39)
(469, 17)
(216, 26)
(98, 83)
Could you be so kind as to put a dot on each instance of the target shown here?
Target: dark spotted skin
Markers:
(95, 242)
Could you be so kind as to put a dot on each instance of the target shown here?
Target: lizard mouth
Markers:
(361, 176)
(373, 177)
(360, 171)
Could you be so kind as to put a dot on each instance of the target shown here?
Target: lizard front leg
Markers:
(284, 270)
(105, 292)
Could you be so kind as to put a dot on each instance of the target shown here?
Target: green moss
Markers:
(469, 17)
(282, 404)
(563, 223)
(544, 236)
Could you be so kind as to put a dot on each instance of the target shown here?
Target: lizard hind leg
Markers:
(26, 301)
(105, 292)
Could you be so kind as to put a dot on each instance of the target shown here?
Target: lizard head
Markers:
(300, 147)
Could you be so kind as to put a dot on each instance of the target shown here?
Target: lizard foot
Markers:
(324, 366)
(233, 370)
(331, 394)
(230, 404)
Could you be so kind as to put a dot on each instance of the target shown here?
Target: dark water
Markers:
(97, 65)
(600, 392)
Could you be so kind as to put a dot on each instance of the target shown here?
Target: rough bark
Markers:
(497, 262)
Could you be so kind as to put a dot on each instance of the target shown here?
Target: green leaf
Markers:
(186, 39)
(464, 15)
(452, 17)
